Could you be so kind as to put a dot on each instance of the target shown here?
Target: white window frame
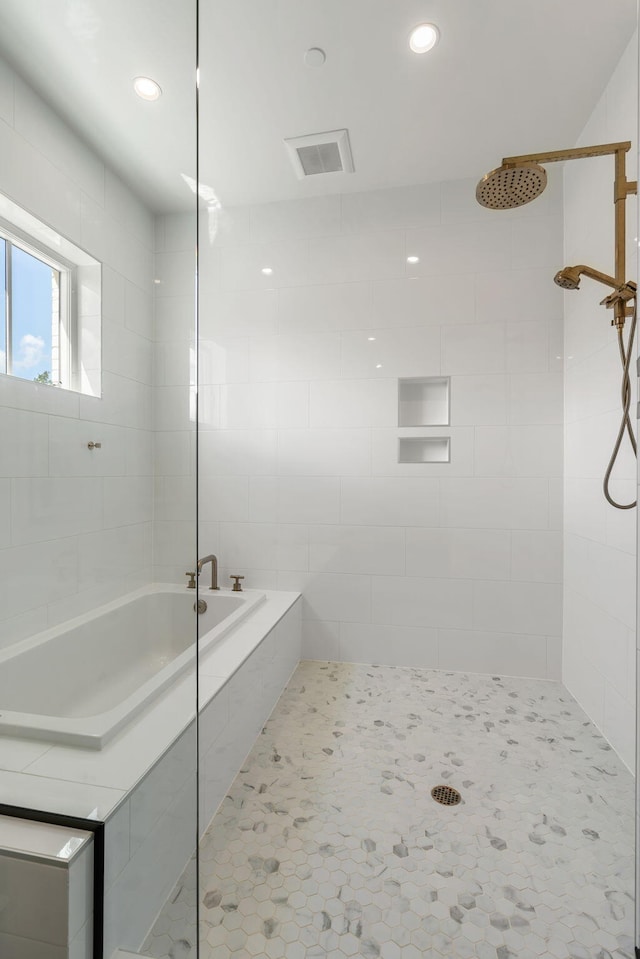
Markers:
(77, 356)
(64, 334)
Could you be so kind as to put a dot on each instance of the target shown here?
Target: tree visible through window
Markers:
(30, 335)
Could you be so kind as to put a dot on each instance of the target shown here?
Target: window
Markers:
(50, 313)
(35, 291)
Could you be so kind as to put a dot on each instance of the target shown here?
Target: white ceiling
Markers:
(506, 77)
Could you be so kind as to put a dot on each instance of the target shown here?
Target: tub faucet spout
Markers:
(214, 569)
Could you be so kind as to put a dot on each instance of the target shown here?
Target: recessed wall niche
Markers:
(423, 401)
(424, 449)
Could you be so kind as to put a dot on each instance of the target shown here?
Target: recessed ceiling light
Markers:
(424, 37)
(371, 338)
(266, 271)
(413, 259)
(378, 366)
(146, 88)
(315, 57)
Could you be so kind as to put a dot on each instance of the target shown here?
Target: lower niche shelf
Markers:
(424, 449)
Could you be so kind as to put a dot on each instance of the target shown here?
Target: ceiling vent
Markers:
(321, 153)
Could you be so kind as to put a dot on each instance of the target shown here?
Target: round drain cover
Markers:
(446, 795)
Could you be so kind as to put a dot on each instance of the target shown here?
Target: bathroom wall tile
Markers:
(336, 597)
(48, 508)
(527, 347)
(238, 452)
(422, 301)
(19, 948)
(292, 405)
(321, 640)
(127, 500)
(353, 403)
(5, 512)
(69, 454)
(248, 406)
(7, 80)
(517, 607)
(392, 209)
(223, 498)
(474, 349)
(479, 400)
(460, 248)
(174, 546)
(37, 900)
(173, 363)
(304, 356)
(537, 243)
(389, 501)
(24, 443)
(223, 359)
(388, 645)
(113, 554)
(324, 452)
(126, 353)
(172, 453)
(517, 296)
(80, 891)
(618, 725)
(117, 849)
(306, 499)
(400, 352)
(356, 257)
(138, 452)
(34, 182)
(241, 266)
(410, 601)
(239, 313)
(41, 127)
(504, 654)
(124, 402)
(518, 451)
(320, 308)
(536, 398)
(296, 219)
(357, 549)
(458, 553)
(536, 556)
(128, 209)
(174, 408)
(175, 273)
(495, 503)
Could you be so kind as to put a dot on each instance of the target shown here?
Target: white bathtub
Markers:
(82, 682)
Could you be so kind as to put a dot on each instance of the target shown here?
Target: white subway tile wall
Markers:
(599, 645)
(453, 564)
(75, 524)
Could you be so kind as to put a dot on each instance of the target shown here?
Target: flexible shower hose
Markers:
(625, 422)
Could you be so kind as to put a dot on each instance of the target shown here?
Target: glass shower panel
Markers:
(98, 496)
(447, 769)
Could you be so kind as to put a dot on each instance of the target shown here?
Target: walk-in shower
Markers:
(521, 179)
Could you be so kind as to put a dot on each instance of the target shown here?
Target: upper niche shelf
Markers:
(423, 401)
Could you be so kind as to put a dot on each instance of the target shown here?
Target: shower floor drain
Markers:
(446, 795)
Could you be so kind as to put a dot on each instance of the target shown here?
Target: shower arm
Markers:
(621, 190)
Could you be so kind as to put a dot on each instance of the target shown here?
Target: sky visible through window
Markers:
(32, 290)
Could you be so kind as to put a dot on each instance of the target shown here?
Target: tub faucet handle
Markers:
(236, 588)
(192, 580)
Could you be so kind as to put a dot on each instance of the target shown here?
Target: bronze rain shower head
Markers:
(511, 186)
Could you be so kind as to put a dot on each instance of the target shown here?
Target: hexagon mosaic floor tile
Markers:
(330, 845)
